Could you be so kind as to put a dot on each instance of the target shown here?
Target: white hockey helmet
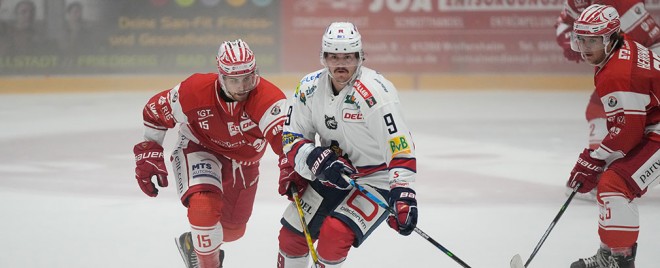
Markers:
(341, 37)
(596, 20)
(236, 59)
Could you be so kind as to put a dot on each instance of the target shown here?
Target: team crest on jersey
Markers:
(276, 110)
(399, 145)
(352, 115)
(330, 122)
(162, 100)
(365, 93)
(612, 101)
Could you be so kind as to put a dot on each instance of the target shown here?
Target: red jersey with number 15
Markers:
(237, 130)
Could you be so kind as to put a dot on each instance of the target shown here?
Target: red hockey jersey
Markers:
(628, 86)
(237, 130)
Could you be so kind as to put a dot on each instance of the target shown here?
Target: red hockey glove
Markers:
(403, 201)
(328, 168)
(149, 162)
(564, 41)
(288, 176)
(586, 172)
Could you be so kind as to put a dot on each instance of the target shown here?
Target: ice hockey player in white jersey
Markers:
(356, 114)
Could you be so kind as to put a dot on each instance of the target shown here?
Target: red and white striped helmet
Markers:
(597, 20)
(235, 58)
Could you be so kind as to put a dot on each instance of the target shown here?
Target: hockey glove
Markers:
(404, 204)
(564, 41)
(328, 168)
(586, 172)
(149, 162)
(288, 176)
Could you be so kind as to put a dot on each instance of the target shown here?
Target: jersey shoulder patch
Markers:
(374, 89)
(307, 86)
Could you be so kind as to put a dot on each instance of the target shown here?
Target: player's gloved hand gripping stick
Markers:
(391, 211)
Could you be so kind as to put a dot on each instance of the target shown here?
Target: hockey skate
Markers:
(605, 259)
(184, 243)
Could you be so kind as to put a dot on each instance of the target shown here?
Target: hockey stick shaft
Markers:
(552, 224)
(417, 230)
(303, 222)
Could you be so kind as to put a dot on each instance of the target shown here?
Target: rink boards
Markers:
(52, 84)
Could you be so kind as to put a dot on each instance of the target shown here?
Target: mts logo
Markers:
(201, 166)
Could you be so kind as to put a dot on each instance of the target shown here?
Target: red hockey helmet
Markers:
(596, 20)
(235, 58)
(237, 68)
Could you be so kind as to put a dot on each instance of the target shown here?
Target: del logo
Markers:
(352, 116)
(399, 145)
(247, 125)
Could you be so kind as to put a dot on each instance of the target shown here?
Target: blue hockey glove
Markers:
(328, 167)
(403, 202)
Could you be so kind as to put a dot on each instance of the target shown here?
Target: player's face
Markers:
(239, 86)
(342, 66)
(592, 48)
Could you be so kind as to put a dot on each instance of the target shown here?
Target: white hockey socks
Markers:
(285, 261)
(207, 241)
(618, 224)
(327, 264)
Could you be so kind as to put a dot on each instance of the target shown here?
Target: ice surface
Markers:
(491, 170)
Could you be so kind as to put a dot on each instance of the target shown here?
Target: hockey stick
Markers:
(516, 261)
(303, 222)
(391, 211)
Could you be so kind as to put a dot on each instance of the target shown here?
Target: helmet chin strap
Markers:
(607, 54)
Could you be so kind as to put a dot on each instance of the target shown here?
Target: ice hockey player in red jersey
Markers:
(226, 120)
(627, 161)
(636, 23)
(356, 113)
